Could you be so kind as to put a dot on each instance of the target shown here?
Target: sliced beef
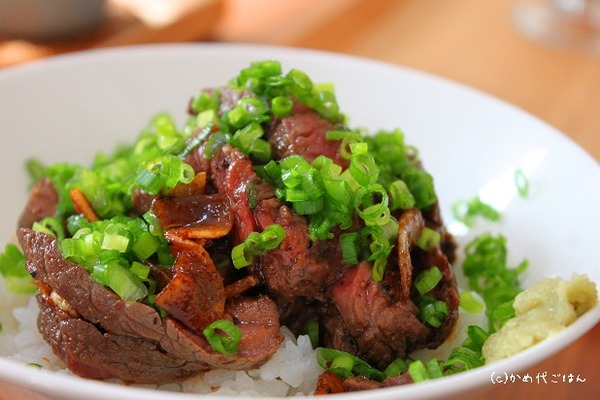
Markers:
(114, 318)
(92, 353)
(234, 177)
(197, 216)
(303, 133)
(410, 226)
(41, 203)
(446, 291)
(370, 320)
(196, 293)
(299, 267)
(359, 383)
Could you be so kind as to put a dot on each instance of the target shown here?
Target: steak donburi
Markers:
(191, 248)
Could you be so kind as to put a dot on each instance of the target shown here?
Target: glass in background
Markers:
(567, 23)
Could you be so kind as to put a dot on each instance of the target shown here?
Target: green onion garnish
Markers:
(429, 239)
(223, 336)
(312, 330)
(345, 364)
(485, 267)
(428, 279)
(433, 312)
(12, 268)
(257, 244)
(51, 226)
(467, 211)
(418, 371)
(470, 303)
(396, 367)
(522, 183)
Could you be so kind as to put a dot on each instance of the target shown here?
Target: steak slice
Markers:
(91, 353)
(299, 266)
(370, 320)
(303, 133)
(42, 202)
(124, 322)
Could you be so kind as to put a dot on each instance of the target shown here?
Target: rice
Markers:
(292, 371)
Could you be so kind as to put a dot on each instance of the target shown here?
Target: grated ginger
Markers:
(541, 311)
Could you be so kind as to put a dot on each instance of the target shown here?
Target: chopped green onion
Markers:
(470, 303)
(420, 184)
(342, 365)
(363, 168)
(223, 336)
(428, 279)
(432, 312)
(140, 270)
(371, 204)
(468, 355)
(467, 211)
(485, 267)
(349, 246)
(522, 183)
(247, 110)
(312, 330)
(36, 170)
(400, 196)
(240, 256)
(205, 100)
(429, 239)
(51, 226)
(115, 242)
(434, 369)
(145, 245)
(34, 365)
(345, 364)
(396, 368)
(281, 106)
(501, 314)
(123, 282)
(214, 142)
(271, 237)
(257, 244)
(13, 269)
(418, 371)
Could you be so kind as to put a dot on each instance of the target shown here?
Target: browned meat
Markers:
(445, 290)
(98, 307)
(356, 383)
(258, 319)
(299, 267)
(42, 203)
(198, 215)
(235, 178)
(196, 294)
(370, 320)
(329, 383)
(410, 226)
(92, 353)
(303, 133)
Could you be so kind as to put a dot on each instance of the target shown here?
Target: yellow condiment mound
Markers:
(543, 310)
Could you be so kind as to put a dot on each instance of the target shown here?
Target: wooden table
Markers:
(470, 41)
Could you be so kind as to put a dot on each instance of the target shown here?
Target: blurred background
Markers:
(540, 55)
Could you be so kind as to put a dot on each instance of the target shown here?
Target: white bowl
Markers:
(69, 107)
